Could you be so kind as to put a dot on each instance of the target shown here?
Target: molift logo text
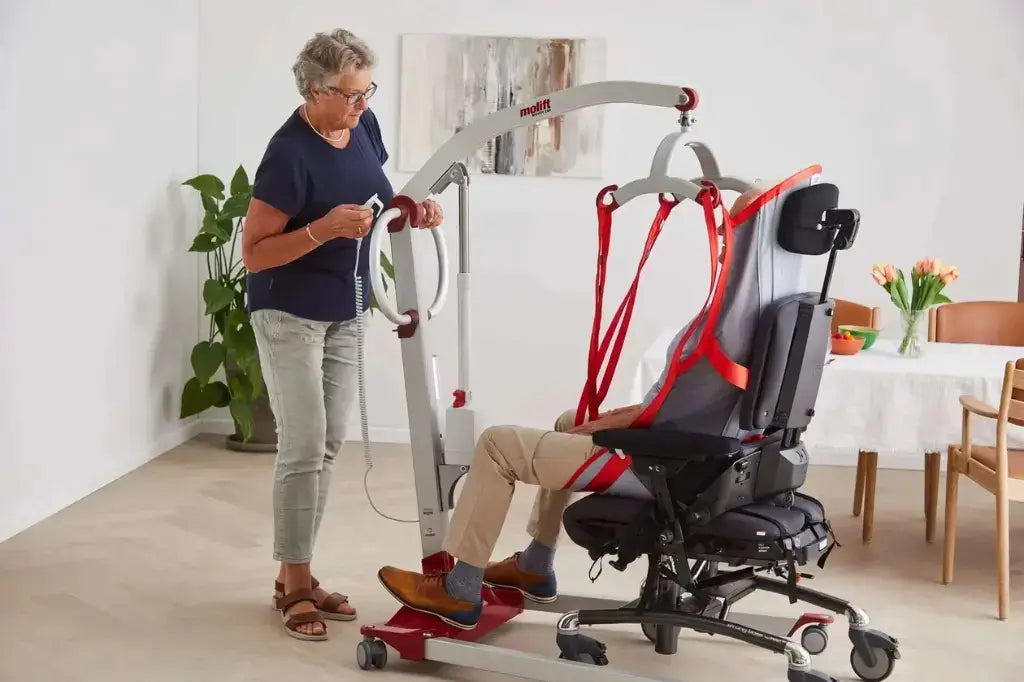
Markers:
(540, 107)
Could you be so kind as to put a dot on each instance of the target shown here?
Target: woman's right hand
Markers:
(345, 220)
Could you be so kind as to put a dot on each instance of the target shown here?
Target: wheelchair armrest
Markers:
(667, 443)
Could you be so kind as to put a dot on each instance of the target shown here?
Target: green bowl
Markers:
(867, 333)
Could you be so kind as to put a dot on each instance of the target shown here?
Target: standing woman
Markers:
(316, 195)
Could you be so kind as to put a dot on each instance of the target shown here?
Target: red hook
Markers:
(611, 205)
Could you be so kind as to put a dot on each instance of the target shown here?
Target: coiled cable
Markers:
(364, 423)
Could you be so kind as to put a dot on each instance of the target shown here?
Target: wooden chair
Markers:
(996, 469)
(848, 312)
(994, 323)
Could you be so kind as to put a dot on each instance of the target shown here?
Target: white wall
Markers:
(98, 294)
(913, 108)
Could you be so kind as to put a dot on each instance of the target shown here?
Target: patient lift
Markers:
(756, 362)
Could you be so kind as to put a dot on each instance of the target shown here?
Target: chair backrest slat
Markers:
(994, 323)
(848, 312)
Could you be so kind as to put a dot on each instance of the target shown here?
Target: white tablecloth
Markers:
(877, 400)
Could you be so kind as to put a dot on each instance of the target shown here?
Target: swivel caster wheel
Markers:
(885, 661)
(582, 649)
(371, 653)
(874, 654)
(814, 638)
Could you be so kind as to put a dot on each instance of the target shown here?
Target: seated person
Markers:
(560, 461)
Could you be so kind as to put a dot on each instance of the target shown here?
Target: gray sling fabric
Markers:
(700, 400)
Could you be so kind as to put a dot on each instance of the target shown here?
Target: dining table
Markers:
(878, 408)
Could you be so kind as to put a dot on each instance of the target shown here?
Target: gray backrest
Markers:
(761, 273)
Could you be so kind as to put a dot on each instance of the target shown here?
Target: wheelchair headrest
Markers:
(810, 223)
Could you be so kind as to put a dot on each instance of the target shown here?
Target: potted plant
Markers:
(231, 344)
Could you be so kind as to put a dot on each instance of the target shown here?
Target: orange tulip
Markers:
(890, 273)
(878, 273)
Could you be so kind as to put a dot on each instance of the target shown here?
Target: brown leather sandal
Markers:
(328, 607)
(292, 622)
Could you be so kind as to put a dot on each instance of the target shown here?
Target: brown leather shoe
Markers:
(533, 586)
(427, 594)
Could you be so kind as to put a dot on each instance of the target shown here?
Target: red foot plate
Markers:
(812, 619)
(408, 629)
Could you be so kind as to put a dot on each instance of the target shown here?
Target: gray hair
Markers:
(327, 54)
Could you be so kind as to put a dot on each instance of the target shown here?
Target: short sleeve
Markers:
(376, 138)
(281, 179)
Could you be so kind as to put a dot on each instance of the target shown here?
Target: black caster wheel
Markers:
(885, 661)
(809, 676)
(814, 638)
(371, 653)
(582, 649)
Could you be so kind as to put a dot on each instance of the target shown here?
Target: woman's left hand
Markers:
(432, 214)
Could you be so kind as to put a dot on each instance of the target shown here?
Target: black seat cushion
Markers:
(598, 521)
(765, 521)
(757, 533)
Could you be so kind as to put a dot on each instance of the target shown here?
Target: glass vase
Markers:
(910, 329)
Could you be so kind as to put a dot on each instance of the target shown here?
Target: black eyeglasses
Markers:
(353, 97)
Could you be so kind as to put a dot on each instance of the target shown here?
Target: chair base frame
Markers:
(420, 637)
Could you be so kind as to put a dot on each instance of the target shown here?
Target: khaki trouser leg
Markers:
(546, 518)
(504, 455)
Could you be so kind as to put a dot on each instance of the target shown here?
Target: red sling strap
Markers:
(593, 395)
(707, 345)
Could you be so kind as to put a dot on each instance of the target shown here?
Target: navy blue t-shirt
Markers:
(304, 176)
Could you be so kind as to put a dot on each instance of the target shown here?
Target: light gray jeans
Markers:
(310, 369)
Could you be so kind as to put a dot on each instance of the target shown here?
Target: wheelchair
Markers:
(727, 518)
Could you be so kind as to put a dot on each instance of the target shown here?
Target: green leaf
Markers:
(216, 295)
(206, 242)
(210, 204)
(223, 397)
(207, 184)
(241, 412)
(386, 266)
(236, 206)
(196, 397)
(226, 227)
(942, 298)
(901, 287)
(240, 385)
(240, 182)
(255, 372)
(240, 338)
(207, 357)
(219, 227)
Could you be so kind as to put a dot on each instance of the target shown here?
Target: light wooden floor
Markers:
(166, 575)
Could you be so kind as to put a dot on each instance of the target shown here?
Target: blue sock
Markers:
(538, 559)
(465, 582)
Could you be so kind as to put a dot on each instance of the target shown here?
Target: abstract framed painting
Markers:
(449, 81)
